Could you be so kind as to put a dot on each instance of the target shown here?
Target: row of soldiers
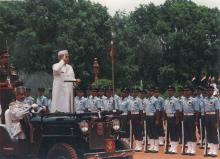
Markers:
(153, 119)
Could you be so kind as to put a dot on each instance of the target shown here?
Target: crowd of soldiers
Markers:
(157, 121)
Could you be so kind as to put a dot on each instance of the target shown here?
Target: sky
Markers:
(129, 5)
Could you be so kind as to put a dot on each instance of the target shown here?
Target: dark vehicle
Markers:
(68, 136)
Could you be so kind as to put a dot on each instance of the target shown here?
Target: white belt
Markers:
(202, 114)
(124, 114)
(134, 112)
(210, 113)
(79, 112)
(170, 115)
(188, 114)
(149, 114)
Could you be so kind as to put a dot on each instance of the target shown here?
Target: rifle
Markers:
(206, 142)
(183, 140)
(201, 135)
(166, 146)
(145, 137)
(218, 138)
(131, 134)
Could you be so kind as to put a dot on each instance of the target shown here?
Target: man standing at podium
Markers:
(62, 93)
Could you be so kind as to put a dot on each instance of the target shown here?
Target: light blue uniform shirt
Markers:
(125, 105)
(92, 104)
(29, 100)
(171, 105)
(160, 102)
(42, 101)
(150, 105)
(190, 105)
(136, 104)
(210, 104)
(101, 102)
(80, 104)
(108, 104)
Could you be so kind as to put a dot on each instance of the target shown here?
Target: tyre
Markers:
(62, 151)
(122, 145)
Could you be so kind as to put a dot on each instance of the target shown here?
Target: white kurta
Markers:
(62, 93)
(17, 112)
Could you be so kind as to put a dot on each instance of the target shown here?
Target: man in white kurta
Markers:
(16, 112)
(62, 92)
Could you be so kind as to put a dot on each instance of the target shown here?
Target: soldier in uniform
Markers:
(101, 98)
(41, 99)
(108, 102)
(172, 109)
(160, 102)
(29, 99)
(93, 102)
(136, 113)
(190, 114)
(124, 106)
(80, 101)
(211, 111)
(152, 110)
(8, 79)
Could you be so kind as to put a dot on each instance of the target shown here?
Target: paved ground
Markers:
(161, 155)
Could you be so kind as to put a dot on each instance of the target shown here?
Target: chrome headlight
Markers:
(84, 126)
(116, 124)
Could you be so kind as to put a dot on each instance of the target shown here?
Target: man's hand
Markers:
(78, 81)
(65, 59)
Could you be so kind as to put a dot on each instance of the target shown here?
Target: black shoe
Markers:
(213, 155)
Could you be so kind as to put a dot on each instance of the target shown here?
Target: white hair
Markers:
(63, 52)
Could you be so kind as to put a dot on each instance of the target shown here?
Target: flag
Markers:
(111, 51)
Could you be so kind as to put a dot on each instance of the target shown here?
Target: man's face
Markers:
(4, 60)
(108, 93)
(20, 97)
(79, 93)
(156, 93)
(170, 92)
(66, 57)
(40, 93)
(187, 92)
(94, 93)
(101, 93)
(28, 93)
(151, 93)
(210, 92)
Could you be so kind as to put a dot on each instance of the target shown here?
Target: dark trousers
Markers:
(152, 128)
(172, 127)
(211, 129)
(202, 126)
(137, 127)
(161, 128)
(6, 97)
(125, 126)
(189, 128)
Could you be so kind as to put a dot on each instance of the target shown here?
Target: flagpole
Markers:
(113, 72)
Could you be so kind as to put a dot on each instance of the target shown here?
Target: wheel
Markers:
(62, 151)
(122, 145)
